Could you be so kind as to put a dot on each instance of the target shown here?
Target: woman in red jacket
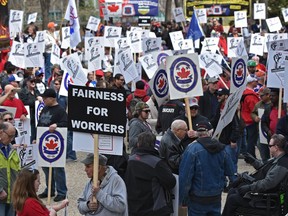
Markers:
(25, 199)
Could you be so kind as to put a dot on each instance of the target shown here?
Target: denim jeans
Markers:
(233, 154)
(48, 65)
(70, 153)
(211, 209)
(58, 180)
(252, 137)
(6, 209)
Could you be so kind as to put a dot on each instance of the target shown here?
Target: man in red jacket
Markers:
(248, 101)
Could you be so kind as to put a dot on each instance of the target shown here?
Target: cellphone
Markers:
(16, 90)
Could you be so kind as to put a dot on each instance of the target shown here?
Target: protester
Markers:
(110, 193)
(25, 199)
(53, 116)
(203, 168)
(10, 166)
(149, 180)
(40, 85)
(270, 182)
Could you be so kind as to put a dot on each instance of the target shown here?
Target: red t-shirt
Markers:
(18, 104)
(32, 208)
(274, 118)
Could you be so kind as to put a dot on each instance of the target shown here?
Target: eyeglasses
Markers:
(194, 108)
(270, 146)
(10, 136)
(8, 119)
(184, 129)
(146, 111)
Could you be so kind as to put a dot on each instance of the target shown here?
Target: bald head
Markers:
(8, 88)
(7, 133)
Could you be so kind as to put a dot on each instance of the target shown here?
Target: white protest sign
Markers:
(184, 76)
(74, 67)
(150, 45)
(55, 54)
(38, 108)
(238, 73)
(16, 56)
(236, 47)
(259, 11)
(160, 57)
(66, 81)
(274, 24)
(257, 44)
(95, 57)
(28, 156)
(122, 44)
(52, 147)
(273, 37)
(276, 68)
(186, 44)
(240, 19)
(32, 18)
(229, 110)
(24, 130)
(211, 62)
(285, 14)
(40, 39)
(15, 22)
(201, 15)
(65, 37)
(91, 42)
(179, 52)
(112, 145)
(33, 55)
(114, 8)
(159, 85)
(280, 45)
(210, 45)
(176, 38)
(110, 34)
(93, 23)
(149, 65)
(178, 14)
(135, 39)
(262, 134)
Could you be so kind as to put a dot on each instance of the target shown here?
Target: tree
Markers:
(45, 7)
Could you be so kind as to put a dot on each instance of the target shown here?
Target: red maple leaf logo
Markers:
(51, 145)
(239, 72)
(183, 73)
(113, 8)
(161, 83)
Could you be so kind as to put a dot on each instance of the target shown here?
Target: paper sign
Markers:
(32, 18)
(135, 39)
(178, 14)
(65, 37)
(238, 73)
(55, 54)
(160, 57)
(271, 37)
(110, 34)
(236, 47)
(32, 55)
(240, 18)
(15, 22)
(66, 81)
(93, 23)
(201, 15)
(149, 65)
(211, 62)
(274, 24)
(262, 134)
(28, 156)
(257, 44)
(285, 14)
(176, 38)
(16, 56)
(210, 45)
(150, 45)
(259, 11)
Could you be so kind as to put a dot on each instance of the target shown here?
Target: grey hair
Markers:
(176, 124)
(6, 113)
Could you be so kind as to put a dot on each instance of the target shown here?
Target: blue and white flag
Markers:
(195, 31)
(72, 16)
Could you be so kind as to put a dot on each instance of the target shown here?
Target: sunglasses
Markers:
(194, 108)
(8, 119)
(146, 111)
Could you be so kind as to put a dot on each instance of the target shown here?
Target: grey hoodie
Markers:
(112, 196)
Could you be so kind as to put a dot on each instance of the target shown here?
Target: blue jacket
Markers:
(203, 168)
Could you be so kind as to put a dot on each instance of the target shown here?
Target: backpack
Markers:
(132, 105)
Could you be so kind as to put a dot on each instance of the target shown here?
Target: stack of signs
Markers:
(15, 22)
(159, 85)
(238, 73)
(201, 15)
(52, 147)
(184, 76)
(259, 11)
(179, 15)
(240, 18)
(211, 62)
(257, 44)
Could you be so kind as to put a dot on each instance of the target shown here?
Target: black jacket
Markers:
(208, 104)
(149, 183)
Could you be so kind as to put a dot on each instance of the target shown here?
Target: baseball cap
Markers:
(264, 91)
(223, 91)
(203, 126)
(192, 102)
(141, 105)
(51, 25)
(251, 63)
(99, 73)
(39, 73)
(251, 79)
(14, 78)
(30, 78)
(90, 159)
(49, 93)
(212, 80)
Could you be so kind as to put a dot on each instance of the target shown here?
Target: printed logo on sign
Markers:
(234, 43)
(184, 74)
(239, 73)
(257, 41)
(32, 50)
(207, 61)
(56, 50)
(67, 81)
(161, 58)
(127, 62)
(39, 109)
(19, 50)
(278, 60)
(148, 62)
(151, 45)
(259, 8)
(15, 17)
(112, 33)
(66, 35)
(40, 37)
(51, 146)
(94, 53)
(160, 84)
(73, 66)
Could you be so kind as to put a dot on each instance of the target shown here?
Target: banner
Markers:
(140, 8)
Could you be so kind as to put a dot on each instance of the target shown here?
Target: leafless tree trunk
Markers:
(45, 6)
(168, 8)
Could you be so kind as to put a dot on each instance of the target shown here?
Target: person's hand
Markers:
(3, 195)
(192, 134)
(52, 128)
(52, 212)
(34, 142)
(64, 203)
(233, 145)
(244, 189)
(94, 190)
(40, 99)
(22, 117)
(248, 158)
(92, 205)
